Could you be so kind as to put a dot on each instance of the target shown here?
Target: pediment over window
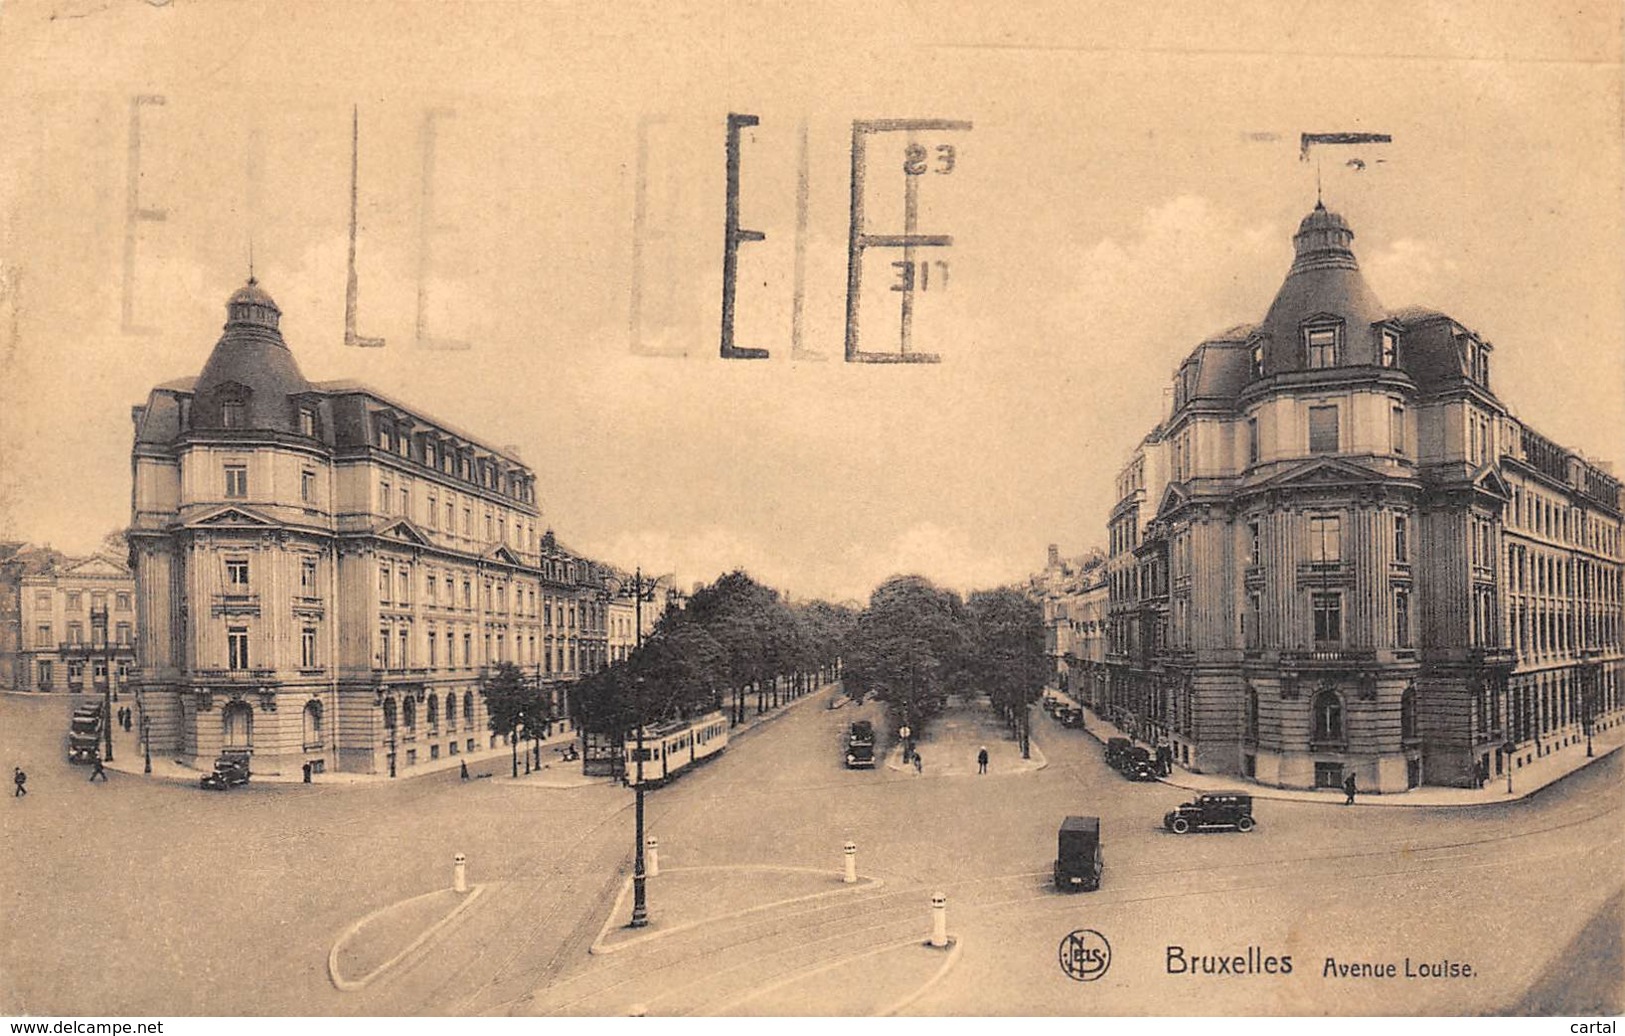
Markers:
(1327, 471)
(502, 554)
(1488, 479)
(232, 518)
(405, 531)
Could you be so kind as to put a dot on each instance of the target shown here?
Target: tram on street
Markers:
(671, 748)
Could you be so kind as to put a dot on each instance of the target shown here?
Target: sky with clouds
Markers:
(1130, 185)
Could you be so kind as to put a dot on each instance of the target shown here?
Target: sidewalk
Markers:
(1526, 780)
(954, 738)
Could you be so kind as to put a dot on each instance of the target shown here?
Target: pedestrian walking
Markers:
(129, 718)
(981, 760)
(1165, 759)
(19, 778)
(463, 772)
(1348, 790)
(306, 770)
(918, 765)
(97, 770)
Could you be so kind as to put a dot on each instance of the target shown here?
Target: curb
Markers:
(347, 985)
(598, 949)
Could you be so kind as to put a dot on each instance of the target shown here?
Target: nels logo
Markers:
(1085, 955)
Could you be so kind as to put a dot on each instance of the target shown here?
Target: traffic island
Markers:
(686, 898)
(384, 938)
(882, 981)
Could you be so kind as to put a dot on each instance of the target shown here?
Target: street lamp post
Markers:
(640, 902)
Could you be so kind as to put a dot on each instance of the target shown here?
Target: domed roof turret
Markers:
(1323, 289)
(251, 368)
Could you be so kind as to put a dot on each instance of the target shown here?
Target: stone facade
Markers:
(1341, 553)
(324, 575)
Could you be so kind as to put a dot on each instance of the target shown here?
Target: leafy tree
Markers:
(508, 703)
(907, 649)
(1006, 657)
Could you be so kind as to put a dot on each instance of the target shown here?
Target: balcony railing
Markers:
(235, 675)
(1329, 656)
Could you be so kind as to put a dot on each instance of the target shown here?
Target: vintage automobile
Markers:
(1070, 716)
(1211, 811)
(230, 769)
(1138, 766)
(1078, 860)
(1116, 749)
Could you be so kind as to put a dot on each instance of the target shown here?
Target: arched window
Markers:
(1407, 713)
(434, 712)
(409, 713)
(313, 723)
(468, 707)
(1328, 707)
(1252, 714)
(238, 723)
(451, 710)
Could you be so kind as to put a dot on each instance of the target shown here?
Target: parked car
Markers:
(1116, 748)
(1078, 860)
(1136, 760)
(1070, 716)
(1212, 811)
(230, 769)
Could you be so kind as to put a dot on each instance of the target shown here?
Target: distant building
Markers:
(659, 596)
(1342, 554)
(66, 624)
(1072, 594)
(324, 574)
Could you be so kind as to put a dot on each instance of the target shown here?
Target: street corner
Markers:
(384, 938)
(687, 898)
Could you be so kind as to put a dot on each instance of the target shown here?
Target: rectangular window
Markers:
(449, 655)
(1252, 440)
(1402, 618)
(1255, 544)
(307, 422)
(431, 589)
(1251, 632)
(307, 647)
(450, 515)
(383, 651)
(1402, 545)
(1321, 344)
(237, 647)
(468, 521)
(468, 650)
(1390, 348)
(1396, 430)
(231, 415)
(76, 633)
(42, 636)
(123, 602)
(75, 601)
(468, 594)
(237, 573)
(1328, 610)
(1325, 538)
(384, 497)
(405, 642)
(124, 634)
(434, 511)
(307, 486)
(307, 576)
(406, 502)
(237, 481)
(434, 650)
(1258, 359)
(406, 585)
(1323, 429)
(384, 582)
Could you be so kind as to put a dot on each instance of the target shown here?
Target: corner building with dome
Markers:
(1342, 554)
(323, 574)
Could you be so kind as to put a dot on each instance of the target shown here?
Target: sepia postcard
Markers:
(918, 509)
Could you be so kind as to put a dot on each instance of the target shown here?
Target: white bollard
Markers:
(939, 920)
(459, 873)
(651, 857)
(851, 851)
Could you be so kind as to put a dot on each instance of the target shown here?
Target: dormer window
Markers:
(1258, 359)
(307, 422)
(1389, 348)
(1320, 346)
(231, 414)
